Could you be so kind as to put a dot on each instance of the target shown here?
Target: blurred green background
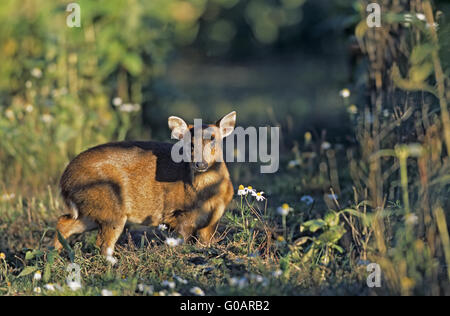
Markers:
(133, 63)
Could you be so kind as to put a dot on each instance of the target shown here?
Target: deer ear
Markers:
(226, 124)
(178, 127)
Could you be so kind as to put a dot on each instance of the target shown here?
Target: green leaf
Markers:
(419, 73)
(313, 225)
(27, 271)
(133, 64)
(332, 218)
(47, 272)
(420, 53)
(338, 248)
(301, 241)
(33, 254)
(332, 235)
(66, 246)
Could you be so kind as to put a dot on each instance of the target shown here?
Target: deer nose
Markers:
(201, 165)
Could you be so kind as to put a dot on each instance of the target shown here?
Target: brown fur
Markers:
(138, 182)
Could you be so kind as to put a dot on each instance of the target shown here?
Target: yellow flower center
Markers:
(285, 206)
(250, 187)
(241, 187)
(258, 194)
(308, 137)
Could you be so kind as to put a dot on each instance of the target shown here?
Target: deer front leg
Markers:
(206, 234)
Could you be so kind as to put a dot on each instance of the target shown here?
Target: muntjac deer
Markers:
(138, 182)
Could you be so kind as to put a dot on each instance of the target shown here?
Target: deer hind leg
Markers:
(108, 234)
(68, 226)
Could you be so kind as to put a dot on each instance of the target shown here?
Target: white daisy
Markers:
(421, 16)
(36, 72)
(250, 190)
(325, 146)
(37, 276)
(74, 285)
(172, 242)
(293, 163)
(284, 209)
(259, 196)
(49, 287)
(179, 279)
(345, 93)
(241, 190)
(162, 227)
(117, 101)
(277, 273)
(169, 284)
(106, 292)
(197, 291)
(412, 219)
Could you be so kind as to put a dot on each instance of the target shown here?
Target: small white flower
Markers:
(325, 146)
(36, 72)
(74, 285)
(238, 282)
(197, 291)
(145, 289)
(29, 108)
(169, 284)
(46, 118)
(50, 287)
(129, 108)
(162, 227)
(434, 25)
(111, 260)
(179, 279)
(37, 276)
(421, 16)
(117, 101)
(259, 196)
(37, 290)
(345, 93)
(277, 273)
(174, 294)
(284, 209)
(242, 190)
(106, 292)
(352, 109)
(250, 190)
(9, 114)
(161, 293)
(408, 17)
(28, 84)
(257, 278)
(412, 219)
(7, 197)
(293, 163)
(308, 200)
(172, 242)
